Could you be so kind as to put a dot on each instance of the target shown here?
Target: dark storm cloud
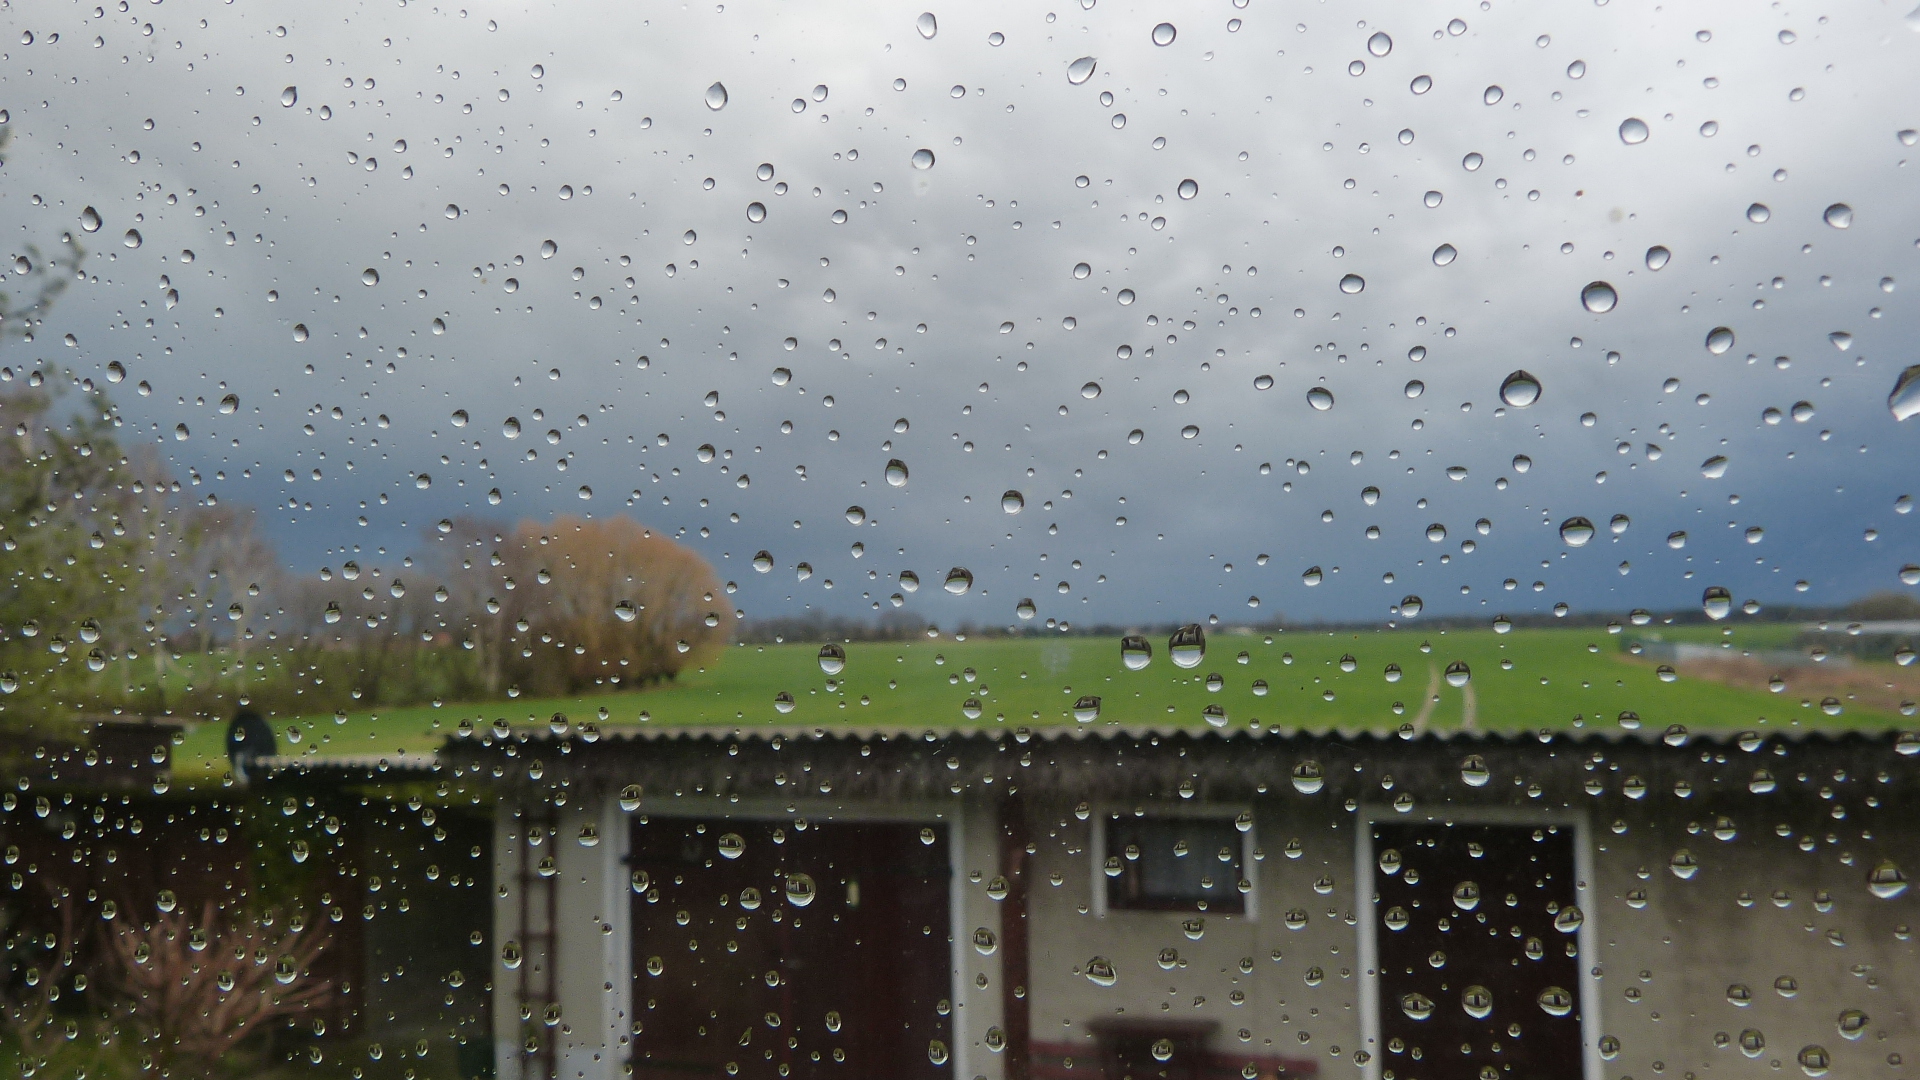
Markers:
(1303, 176)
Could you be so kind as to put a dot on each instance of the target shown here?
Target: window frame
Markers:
(1227, 813)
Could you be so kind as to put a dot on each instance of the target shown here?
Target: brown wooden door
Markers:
(1476, 981)
(850, 985)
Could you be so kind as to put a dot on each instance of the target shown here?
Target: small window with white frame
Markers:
(1169, 862)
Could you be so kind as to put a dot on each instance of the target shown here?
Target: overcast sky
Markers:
(532, 211)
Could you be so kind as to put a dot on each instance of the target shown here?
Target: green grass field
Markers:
(1758, 635)
(1554, 680)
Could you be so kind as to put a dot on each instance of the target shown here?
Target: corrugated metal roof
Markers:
(626, 733)
(613, 739)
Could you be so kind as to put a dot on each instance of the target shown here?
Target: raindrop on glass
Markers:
(1308, 778)
(1187, 646)
(800, 890)
(1717, 603)
(833, 659)
(1886, 881)
(1905, 399)
(1520, 389)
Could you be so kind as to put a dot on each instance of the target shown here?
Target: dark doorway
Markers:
(1478, 959)
(752, 984)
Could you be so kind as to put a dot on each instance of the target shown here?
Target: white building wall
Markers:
(1274, 1006)
(1667, 966)
(1664, 968)
(589, 949)
(978, 1008)
(593, 939)
(508, 836)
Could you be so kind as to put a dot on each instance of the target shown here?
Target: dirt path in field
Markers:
(1431, 699)
(1874, 686)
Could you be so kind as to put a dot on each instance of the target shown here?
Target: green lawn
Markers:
(1554, 679)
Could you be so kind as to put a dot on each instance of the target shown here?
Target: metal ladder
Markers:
(538, 989)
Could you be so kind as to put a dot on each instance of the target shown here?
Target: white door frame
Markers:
(1587, 937)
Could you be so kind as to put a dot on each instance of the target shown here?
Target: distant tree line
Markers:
(120, 590)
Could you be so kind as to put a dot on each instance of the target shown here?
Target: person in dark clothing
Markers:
(248, 738)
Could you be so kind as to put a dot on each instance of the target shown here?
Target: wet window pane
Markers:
(1008, 542)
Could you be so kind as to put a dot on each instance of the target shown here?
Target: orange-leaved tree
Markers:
(604, 602)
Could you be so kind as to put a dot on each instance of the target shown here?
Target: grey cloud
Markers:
(1280, 95)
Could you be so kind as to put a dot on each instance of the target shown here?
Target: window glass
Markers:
(1174, 864)
(1003, 541)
